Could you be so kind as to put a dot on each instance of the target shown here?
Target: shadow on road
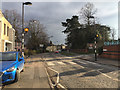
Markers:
(89, 71)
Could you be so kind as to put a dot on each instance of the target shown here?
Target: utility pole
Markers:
(23, 29)
(26, 3)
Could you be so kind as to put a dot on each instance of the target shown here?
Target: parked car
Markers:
(12, 64)
(56, 51)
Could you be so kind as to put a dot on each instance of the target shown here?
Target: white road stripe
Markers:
(72, 62)
(61, 63)
(81, 66)
(50, 63)
(108, 76)
(94, 63)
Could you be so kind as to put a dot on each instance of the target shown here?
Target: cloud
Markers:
(51, 14)
(106, 9)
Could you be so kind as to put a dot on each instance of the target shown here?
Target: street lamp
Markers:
(25, 3)
(95, 39)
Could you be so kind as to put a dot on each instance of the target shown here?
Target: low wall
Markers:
(111, 51)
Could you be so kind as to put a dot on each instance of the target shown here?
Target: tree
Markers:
(86, 12)
(15, 20)
(75, 35)
(79, 35)
(113, 33)
(36, 35)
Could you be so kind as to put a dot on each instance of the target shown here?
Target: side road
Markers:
(100, 60)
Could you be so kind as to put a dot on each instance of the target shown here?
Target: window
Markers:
(7, 56)
(7, 31)
(4, 29)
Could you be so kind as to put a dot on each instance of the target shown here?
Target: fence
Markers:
(111, 51)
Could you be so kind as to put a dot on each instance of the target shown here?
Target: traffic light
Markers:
(97, 35)
(26, 29)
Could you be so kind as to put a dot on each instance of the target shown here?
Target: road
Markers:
(77, 73)
(74, 73)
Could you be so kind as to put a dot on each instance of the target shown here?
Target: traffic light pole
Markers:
(95, 48)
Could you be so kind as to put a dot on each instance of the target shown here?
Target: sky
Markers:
(51, 14)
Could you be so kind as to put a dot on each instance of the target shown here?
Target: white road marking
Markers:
(81, 66)
(94, 63)
(61, 63)
(50, 63)
(108, 76)
(72, 62)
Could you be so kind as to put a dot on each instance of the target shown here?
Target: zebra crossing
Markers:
(66, 62)
(63, 63)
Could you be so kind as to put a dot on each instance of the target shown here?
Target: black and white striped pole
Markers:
(25, 3)
(95, 48)
(95, 39)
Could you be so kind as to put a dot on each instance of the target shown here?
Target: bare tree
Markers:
(86, 12)
(113, 34)
(15, 20)
(36, 35)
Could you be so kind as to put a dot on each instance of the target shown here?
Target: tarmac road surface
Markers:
(74, 73)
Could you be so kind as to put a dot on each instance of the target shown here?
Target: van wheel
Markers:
(17, 76)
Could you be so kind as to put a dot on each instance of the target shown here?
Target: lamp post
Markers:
(95, 39)
(25, 3)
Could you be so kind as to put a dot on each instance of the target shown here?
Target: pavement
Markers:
(34, 76)
(100, 60)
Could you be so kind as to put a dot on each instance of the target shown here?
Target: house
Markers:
(7, 35)
(51, 48)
